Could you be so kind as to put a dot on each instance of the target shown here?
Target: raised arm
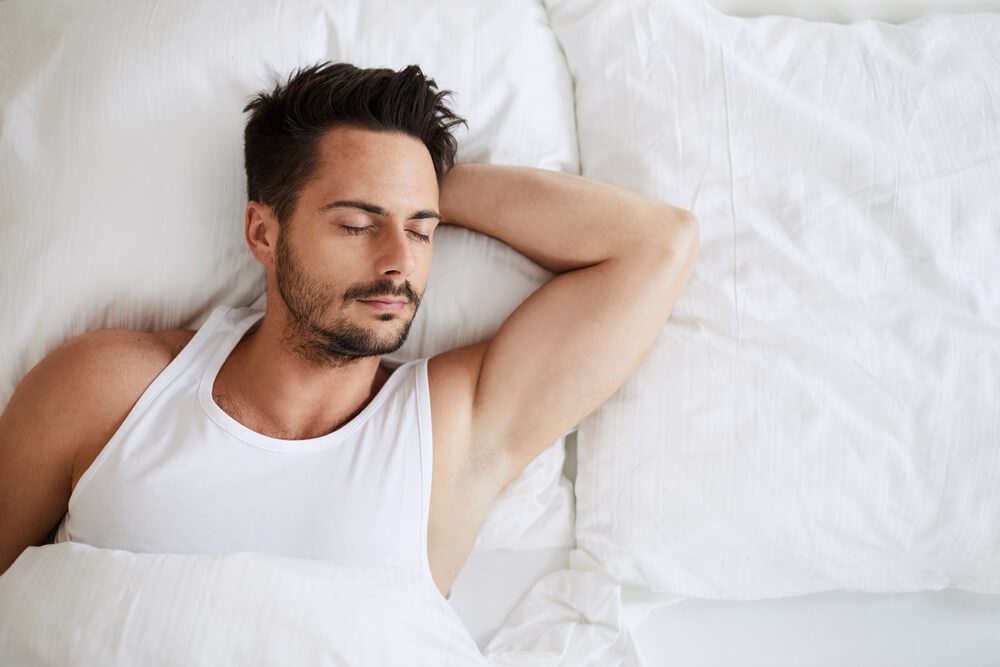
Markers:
(623, 260)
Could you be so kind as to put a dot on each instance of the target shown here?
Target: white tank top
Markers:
(182, 476)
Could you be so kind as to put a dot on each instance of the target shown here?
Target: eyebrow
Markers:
(377, 210)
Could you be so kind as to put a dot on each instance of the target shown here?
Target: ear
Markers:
(261, 231)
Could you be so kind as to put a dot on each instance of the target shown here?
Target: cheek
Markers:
(324, 262)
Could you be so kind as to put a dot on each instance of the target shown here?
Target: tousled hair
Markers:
(281, 138)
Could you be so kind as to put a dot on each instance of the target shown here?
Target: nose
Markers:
(395, 252)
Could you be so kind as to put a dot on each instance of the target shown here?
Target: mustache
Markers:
(384, 292)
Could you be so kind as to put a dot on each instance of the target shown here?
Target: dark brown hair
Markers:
(280, 142)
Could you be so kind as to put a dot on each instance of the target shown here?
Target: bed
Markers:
(804, 469)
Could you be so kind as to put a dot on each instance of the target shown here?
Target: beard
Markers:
(341, 341)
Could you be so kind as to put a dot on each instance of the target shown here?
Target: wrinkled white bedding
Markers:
(71, 603)
(819, 413)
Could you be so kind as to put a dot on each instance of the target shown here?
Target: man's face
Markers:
(329, 258)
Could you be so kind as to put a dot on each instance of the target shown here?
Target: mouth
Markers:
(385, 306)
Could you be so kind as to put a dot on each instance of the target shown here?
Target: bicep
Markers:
(572, 344)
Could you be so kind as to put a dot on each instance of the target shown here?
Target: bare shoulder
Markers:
(60, 416)
(109, 364)
(83, 381)
(117, 361)
(108, 370)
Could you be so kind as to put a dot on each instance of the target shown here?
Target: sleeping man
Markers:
(283, 431)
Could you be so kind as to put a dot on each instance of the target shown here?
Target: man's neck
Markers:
(265, 380)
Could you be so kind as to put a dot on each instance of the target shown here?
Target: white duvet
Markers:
(73, 604)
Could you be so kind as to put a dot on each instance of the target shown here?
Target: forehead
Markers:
(391, 167)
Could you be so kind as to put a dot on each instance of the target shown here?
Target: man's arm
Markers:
(75, 397)
(623, 260)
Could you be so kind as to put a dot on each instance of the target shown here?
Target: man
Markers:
(283, 431)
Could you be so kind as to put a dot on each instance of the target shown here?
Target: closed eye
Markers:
(364, 230)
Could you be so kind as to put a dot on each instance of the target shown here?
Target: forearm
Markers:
(560, 221)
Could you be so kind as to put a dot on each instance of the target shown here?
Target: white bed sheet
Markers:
(493, 582)
(927, 629)
(833, 629)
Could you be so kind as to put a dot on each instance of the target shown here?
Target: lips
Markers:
(386, 307)
(385, 300)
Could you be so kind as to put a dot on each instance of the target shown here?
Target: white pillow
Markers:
(846, 11)
(121, 162)
(71, 603)
(821, 411)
